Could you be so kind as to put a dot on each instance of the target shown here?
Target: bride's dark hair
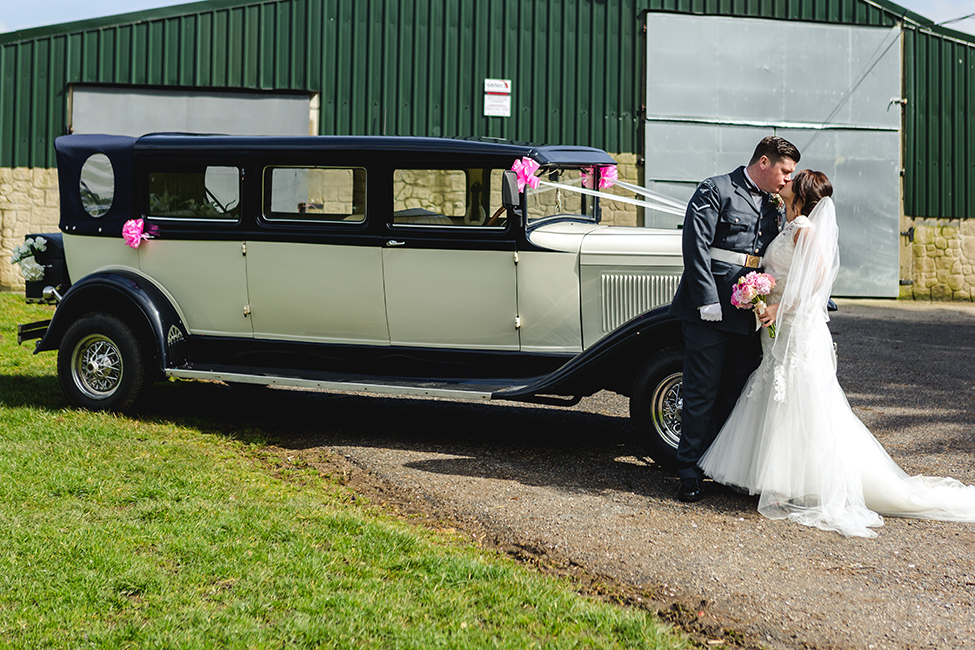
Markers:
(809, 188)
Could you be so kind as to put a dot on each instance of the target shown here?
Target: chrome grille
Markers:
(625, 295)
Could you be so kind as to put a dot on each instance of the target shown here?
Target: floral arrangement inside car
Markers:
(445, 267)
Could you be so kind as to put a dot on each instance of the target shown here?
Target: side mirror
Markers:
(510, 196)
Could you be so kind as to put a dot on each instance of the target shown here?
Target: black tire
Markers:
(101, 364)
(655, 405)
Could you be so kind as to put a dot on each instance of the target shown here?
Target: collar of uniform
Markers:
(750, 184)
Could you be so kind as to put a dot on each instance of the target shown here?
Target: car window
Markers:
(315, 194)
(208, 193)
(97, 185)
(463, 198)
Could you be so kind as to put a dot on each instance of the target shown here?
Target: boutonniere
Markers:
(776, 201)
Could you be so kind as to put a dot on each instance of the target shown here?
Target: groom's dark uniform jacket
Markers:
(719, 355)
(721, 214)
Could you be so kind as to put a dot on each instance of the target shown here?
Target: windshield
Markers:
(546, 201)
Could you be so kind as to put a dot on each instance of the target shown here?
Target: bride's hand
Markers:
(767, 317)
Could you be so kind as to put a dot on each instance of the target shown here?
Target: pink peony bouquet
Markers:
(751, 291)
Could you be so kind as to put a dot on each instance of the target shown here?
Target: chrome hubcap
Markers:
(97, 366)
(666, 407)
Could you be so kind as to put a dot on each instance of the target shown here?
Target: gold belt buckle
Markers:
(752, 261)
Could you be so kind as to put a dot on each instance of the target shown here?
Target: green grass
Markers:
(117, 532)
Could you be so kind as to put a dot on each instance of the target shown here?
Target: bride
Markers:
(792, 437)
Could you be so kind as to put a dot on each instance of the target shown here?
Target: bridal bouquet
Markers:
(751, 291)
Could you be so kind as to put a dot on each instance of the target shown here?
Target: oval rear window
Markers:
(97, 185)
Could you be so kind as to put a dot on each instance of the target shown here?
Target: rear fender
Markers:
(131, 297)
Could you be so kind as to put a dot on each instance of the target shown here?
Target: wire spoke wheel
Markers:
(96, 366)
(101, 364)
(665, 408)
(656, 404)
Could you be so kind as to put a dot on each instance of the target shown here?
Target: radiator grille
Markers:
(628, 295)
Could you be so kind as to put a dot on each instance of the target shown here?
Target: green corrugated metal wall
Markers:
(939, 143)
(415, 67)
(403, 67)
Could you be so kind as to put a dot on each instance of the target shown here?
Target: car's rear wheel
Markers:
(656, 403)
(101, 364)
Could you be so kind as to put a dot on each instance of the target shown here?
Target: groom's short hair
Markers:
(775, 149)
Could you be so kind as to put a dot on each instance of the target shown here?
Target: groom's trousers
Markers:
(716, 366)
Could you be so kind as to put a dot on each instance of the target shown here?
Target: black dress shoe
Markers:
(689, 490)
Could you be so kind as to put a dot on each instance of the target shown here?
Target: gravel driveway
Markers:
(569, 489)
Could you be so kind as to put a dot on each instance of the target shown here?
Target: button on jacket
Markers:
(721, 214)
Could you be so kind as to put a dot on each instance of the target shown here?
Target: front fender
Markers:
(130, 296)
(612, 362)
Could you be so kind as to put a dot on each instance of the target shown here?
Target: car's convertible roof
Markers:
(73, 151)
(543, 154)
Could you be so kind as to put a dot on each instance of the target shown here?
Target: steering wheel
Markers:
(494, 217)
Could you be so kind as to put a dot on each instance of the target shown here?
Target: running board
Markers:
(447, 390)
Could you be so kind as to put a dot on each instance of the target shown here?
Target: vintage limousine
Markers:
(416, 266)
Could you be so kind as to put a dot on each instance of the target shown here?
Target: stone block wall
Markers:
(28, 203)
(441, 191)
(943, 256)
(624, 214)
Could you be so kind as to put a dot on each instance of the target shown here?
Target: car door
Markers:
(449, 260)
(196, 248)
(314, 272)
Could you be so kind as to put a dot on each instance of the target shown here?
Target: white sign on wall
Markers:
(497, 97)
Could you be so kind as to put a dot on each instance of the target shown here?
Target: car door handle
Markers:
(393, 242)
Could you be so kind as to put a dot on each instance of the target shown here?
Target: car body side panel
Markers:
(85, 254)
(548, 301)
(625, 272)
(207, 280)
(321, 293)
(443, 298)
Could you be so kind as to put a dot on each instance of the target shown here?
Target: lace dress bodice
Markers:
(778, 256)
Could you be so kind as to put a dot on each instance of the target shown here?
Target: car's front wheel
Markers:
(656, 403)
(101, 364)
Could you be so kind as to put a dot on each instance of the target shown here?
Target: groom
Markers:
(729, 222)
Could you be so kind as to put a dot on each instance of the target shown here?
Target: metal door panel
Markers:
(207, 279)
(325, 293)
(827, 88)
(447, 298)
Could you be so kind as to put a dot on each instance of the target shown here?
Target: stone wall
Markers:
(943, 256)
(28, 203)
(624, 214)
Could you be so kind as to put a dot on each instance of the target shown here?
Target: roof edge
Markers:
(129, 18)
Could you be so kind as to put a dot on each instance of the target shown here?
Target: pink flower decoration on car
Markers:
(607, 177)
(526, 168)
(132, 232)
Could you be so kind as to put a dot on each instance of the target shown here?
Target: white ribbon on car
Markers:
(660, 202)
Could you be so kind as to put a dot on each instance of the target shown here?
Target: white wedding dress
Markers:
(792, 437)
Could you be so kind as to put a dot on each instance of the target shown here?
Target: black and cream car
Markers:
(412, 266)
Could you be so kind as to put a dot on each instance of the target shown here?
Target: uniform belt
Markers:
(731, 257)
